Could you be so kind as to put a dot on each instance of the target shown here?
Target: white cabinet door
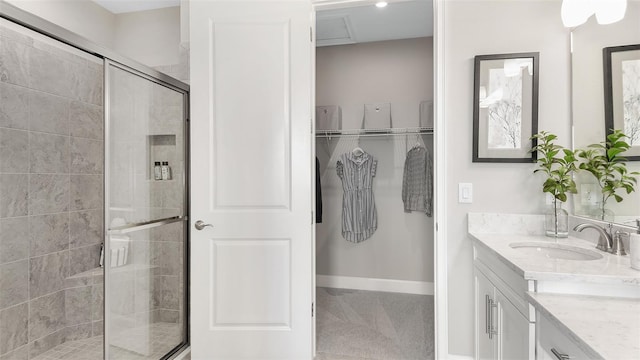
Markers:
(251, 272)
(515, 333)
(484, 296)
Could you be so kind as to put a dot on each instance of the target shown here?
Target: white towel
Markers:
(377, 116)
(426, 114)
(328, 117)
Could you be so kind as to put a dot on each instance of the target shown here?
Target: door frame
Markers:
(440, 159)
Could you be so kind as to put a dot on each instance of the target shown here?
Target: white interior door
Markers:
(251, 272)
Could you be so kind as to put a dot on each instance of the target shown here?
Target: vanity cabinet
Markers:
(553, 344)
(504, 326)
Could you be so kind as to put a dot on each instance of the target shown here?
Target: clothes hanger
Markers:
(357, 151)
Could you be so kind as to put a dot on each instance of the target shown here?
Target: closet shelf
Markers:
(373, 132)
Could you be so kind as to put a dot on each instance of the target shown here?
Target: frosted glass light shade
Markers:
(609, 11)
(576, 12)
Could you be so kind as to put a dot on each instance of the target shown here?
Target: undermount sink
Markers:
(555, 251)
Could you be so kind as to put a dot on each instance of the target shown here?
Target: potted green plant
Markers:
(605, 162)
(558, 164)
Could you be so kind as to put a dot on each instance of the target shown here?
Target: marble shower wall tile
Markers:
(48, 153)
(48, 273)
(50, 341)
(14, 151)
(168, 257)
(84, 258)
(14, 283)
(86, 192)
(14, 112)
(86, 120)
(21, 353)
(48, 113)
(14, 235)
(97, 302)
(13, 327)
(97, 328)
(78, 305)
(85, 228)
(14, 58)
(78, 332)
(14, 189)
(168, 292)
(169, 316)
(48, 193)
(122, 293)
(172, 232)
(86, 156)
(46, 315)
(51, 74)
(146, 298)
(87, 84)
(48, 233)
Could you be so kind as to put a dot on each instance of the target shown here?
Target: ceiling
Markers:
(398, 20)
(401, 19)
(125, 6)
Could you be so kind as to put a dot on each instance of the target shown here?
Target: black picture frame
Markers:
(614, 94)
(510, 142)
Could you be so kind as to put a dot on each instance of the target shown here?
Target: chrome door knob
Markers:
(201, 225)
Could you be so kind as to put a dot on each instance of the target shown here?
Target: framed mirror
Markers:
(622, 94)
(505, 107)
(589, 103)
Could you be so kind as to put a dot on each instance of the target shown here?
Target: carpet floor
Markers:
(357, 325)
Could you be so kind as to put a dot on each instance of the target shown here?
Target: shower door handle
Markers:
(201, 225)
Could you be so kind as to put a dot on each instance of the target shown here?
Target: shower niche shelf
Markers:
(161, 148)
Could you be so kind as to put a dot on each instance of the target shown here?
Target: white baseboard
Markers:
(459, 357)
(372, 284)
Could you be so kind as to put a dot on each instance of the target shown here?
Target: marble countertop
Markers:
(601, 326)
(610, 269)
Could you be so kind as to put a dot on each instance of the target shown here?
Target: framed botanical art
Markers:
(505, 107)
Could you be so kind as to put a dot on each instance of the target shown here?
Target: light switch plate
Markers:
(465, 193)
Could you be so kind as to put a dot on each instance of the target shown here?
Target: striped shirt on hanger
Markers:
(417, 182)
(359, 218)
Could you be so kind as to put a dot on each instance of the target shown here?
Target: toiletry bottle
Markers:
(166, 172)
(157, 171)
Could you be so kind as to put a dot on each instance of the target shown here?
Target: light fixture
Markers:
(381, 4)
(609, 11)
(577, 12)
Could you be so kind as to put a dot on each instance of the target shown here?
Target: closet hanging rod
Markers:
(373, 132)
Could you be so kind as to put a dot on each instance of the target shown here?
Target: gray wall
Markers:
(494, 27)
(51, 164)
(399, 72)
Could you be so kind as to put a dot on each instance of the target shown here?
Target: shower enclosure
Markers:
(93, 244)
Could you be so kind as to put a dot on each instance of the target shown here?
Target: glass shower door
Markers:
(145, 249)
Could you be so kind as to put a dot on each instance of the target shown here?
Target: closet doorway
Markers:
(374, 233)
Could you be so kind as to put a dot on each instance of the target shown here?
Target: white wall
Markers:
(150, 37)
(494, 27)
(399, 72)
(84, 18)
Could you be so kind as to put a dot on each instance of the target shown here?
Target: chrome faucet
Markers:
(605, 242)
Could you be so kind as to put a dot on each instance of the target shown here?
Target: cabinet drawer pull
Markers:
(560, 355)
(487, 316)
(490, 328)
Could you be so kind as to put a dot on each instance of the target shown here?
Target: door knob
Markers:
(201, 225)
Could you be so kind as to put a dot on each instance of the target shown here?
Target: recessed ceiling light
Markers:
(381, 4)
